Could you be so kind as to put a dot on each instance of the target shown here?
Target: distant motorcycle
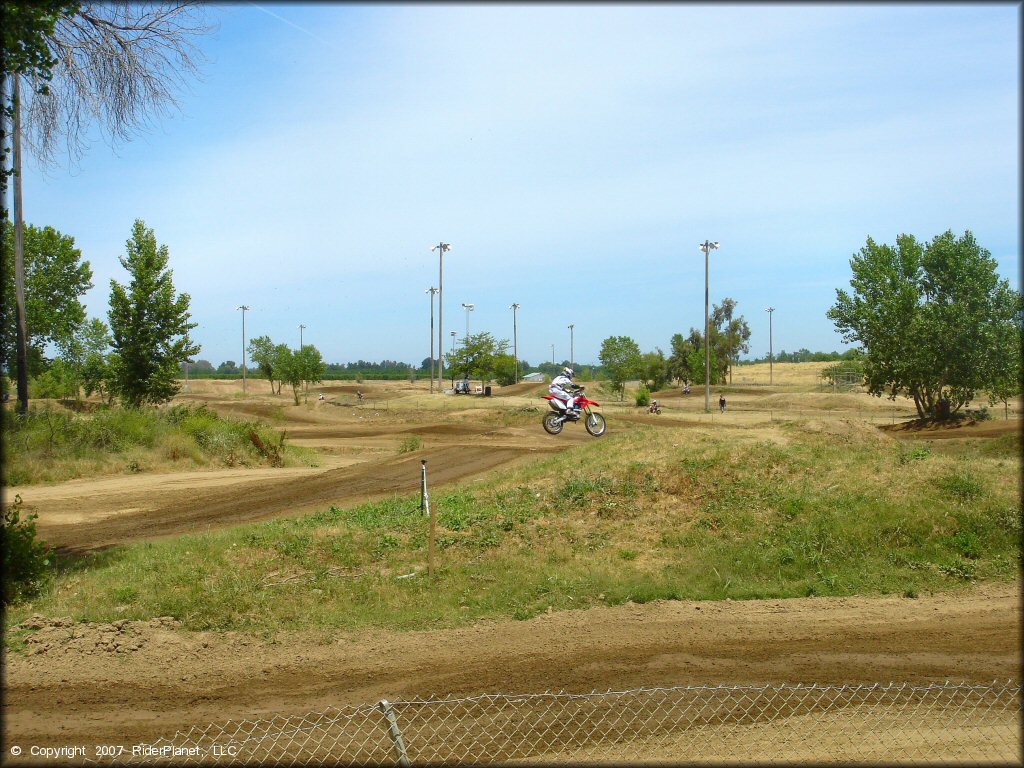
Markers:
(654, 407)
(593, 421)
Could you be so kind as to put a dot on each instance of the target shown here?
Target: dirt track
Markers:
(81, 691)
(137, 681)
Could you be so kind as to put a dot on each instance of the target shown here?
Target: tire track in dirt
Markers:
(178, 511)
(178, 680)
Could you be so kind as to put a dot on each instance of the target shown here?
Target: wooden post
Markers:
(430, 516)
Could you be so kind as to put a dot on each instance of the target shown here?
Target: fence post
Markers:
(396, 735)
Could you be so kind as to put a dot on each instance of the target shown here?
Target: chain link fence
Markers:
(893, 723)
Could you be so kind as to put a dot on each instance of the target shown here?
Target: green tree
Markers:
(653, 370)
(149, 323)
(676, 366)
(475, 357)
(505, 369)
(730, 337)
(228, 367)
(261, 352)
(86, 357)
(55, 280)
(295, 367)
(311, 365)
(282, 364)
(620, 356)
(935, 320)
(94, 340)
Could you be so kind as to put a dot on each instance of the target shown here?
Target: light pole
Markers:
(707, 246)
(432, 291)
(453, 371)
(301, 328)
(469, 308)
(440, 248)
(572, 355)
(769, 311)
(515, 341)
(552, 354)
(244, 310)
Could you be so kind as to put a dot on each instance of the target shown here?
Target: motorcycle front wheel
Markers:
(595, 424)
(553, 423)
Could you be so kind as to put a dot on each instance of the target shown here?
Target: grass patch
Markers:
(657, 514)
(52, 443)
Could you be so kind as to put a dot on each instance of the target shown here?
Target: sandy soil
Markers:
(136, 681)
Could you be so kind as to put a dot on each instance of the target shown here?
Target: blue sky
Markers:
(573, 155)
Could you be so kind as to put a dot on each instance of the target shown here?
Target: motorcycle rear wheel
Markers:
(553, 423)
(595, 424)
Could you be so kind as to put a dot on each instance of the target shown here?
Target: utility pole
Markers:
(440, 248)
(515, 341)
(305, 385)
(572, 354)
(432, 291)
(770, 376)
(707, 246)
(244, 309)
(21, 334)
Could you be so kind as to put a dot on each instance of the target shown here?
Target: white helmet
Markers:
(567, 371)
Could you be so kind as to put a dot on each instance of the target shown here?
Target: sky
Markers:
(573, 156)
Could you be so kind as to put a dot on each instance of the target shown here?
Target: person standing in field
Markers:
(721, 403)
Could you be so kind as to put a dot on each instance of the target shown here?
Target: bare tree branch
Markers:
(119, 65)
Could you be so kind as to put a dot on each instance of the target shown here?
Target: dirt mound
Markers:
(954, 428)
(845, 430)
(64, 636)
(523, 388)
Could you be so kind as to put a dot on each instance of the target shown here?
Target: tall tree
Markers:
(653, 370)
(730, 337)
(676, 367)
(113, 63)
(476, 356)
(93, 344)
(311, 366)
(261, 352)
(149, 324)
(56, 278)
(936, 321)
(620, 356)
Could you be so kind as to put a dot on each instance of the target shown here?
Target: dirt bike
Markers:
(593, 421)
(654, 408)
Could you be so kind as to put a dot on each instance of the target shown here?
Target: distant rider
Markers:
(563, 387)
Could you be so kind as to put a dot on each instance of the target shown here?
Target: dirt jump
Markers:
(133, 682)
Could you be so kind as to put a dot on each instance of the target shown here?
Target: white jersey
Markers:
(562, 382)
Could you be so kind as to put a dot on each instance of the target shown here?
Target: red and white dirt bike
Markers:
(593, 421)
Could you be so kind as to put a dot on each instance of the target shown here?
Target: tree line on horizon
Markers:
(932, 320)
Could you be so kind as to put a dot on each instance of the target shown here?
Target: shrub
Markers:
(410, 444)
(643, 397)
(26, 560)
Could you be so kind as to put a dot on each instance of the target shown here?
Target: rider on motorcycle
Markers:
(564, 389)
